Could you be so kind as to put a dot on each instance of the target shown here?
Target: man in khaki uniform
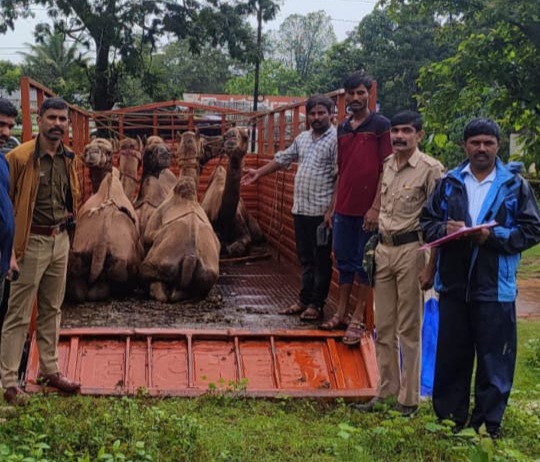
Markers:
(401, 272)
(45, 192)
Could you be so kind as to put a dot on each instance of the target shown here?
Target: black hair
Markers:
(52, 103)
(7, 108)
(317, 100)
(356, 79)
(481, 126)
(407, 118)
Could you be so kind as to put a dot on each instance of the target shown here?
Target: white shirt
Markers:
(476, 191)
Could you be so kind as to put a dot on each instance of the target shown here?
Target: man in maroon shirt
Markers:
(363, 144)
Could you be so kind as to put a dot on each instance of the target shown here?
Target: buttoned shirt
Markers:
(404, 191)
(50, 208)
(317, 171)
(476, 191)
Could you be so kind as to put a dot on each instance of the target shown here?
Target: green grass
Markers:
(225, 428)
(530, 263)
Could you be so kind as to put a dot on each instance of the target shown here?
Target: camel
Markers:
(98, 158)
(183, 260)
(236, 229)
(154, 184)
(130, 159)
(189, 154)
(106, 251)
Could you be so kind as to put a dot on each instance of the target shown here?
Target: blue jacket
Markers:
(7, 223)
(486, 272)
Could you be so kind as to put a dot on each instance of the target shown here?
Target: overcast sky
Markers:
(345, 16)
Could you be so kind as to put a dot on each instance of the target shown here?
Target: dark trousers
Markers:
(488, 331)
(316, 261)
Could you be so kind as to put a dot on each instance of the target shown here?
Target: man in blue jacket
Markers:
(476, 278)
(8, 266)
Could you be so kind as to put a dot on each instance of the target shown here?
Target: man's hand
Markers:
(371, 220)
(13, 272)
(426, 278)
(250, 176)
(479, 237)
(328, 218)
(453, 226)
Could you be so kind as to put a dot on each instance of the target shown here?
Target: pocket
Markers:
(411, 199)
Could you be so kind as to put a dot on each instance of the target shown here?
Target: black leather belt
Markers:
(48, 230)
(399, 239)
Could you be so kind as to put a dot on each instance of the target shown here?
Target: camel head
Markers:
(151, 140)
(129, 144)
(185, 188)
(98, 154)
(236, 141)
(156, 157)
(191, 146)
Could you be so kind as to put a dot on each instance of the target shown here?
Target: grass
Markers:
(225, 428)
(530, 263)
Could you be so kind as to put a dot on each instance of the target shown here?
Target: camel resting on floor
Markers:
(183, 260)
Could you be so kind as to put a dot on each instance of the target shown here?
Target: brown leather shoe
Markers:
(16, 396)
(59, 381)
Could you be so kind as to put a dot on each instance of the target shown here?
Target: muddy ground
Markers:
(248, 295)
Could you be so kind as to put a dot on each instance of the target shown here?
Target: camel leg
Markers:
(158, 291)
(99, 291)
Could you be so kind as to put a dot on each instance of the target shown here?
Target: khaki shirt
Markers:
(50, 207)
(404, 192)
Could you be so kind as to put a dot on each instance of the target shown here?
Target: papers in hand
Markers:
(461, 232)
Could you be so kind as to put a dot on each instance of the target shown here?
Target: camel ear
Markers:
(178, 136)
(140, 143)
(145, 139)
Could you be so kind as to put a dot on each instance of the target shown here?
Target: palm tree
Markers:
(57, 65)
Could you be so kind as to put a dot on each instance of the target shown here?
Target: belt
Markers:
(48, 230)
(399, 239)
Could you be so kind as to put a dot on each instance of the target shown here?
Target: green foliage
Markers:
(274, 79)
(59, 66)
(121, 32)
(10, 75)
(492, 73)
(301, 42)
(221, 427)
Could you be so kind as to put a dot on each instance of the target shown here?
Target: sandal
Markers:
(295, 308)
(334, 323)
(312, 313)
(354, 333)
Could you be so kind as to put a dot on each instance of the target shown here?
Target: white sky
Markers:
(345, 14)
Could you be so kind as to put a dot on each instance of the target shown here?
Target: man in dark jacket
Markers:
(8, 266)
(476, 278)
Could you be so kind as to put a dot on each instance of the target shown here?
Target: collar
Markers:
(412, 161)
(488, 179)
(323, 135)
(348, 125)
(61, 150)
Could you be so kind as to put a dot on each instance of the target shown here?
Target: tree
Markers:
(10, 75)
(112, 27)
(302, 41)
(59, 66)
(494, 72)
(393, 49)
(275, 79)
(176, 70)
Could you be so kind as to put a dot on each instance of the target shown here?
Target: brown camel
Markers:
(183, 260)
(154, 184)
(106, 251)
(98, 158)
(236, 229)
(130, 159)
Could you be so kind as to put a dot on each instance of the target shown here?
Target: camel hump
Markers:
(188, 266)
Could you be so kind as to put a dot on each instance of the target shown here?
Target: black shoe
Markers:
(494, 433)
(406, 411)
(373, 405)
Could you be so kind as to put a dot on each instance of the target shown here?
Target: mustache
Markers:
(399, 143)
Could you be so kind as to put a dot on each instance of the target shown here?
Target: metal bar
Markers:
(127, 385)
(149, 362)
(191, 371)
(275, 368)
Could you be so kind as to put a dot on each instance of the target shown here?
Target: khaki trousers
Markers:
(398, 320)
(42, 273)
